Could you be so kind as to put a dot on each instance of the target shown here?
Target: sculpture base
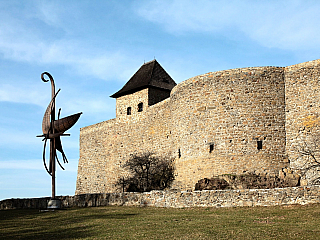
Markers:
(54, 204)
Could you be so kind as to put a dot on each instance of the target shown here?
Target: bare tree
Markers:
(307, 147)
(147, 172)
(308, 151)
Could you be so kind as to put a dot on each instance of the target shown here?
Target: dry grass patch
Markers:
(114, 222)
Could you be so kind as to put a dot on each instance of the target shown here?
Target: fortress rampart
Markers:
(226, 122)
(231, 111)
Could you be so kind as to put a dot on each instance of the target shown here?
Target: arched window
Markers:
(140, 107)
(129, 111)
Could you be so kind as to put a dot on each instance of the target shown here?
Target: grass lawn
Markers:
(286, 222)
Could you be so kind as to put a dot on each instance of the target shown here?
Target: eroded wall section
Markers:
(229, 122)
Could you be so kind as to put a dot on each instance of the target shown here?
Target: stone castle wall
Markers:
(231, 110)
(105, 146)
(302, 108)
(222, 122)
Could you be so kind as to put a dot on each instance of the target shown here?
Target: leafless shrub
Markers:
(147, 172)
(308, 155)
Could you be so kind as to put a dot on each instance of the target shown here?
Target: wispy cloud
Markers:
(19, 138)
(21, 164)
(49, 42)
(105, 65)
(92, 105)
(70, 102)
(289, 25)
(22, 93)
(53, 13)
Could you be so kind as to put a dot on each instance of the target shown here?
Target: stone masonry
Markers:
(180, 199)
(226, 122)
(302, 106)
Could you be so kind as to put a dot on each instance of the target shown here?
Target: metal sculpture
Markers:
(53, 129)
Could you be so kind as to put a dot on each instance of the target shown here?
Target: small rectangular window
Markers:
(140, 107)
(179, 153)
(129, 111)
(211, 148)
(259, 145)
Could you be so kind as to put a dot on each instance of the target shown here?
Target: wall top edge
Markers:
(96, 125)
(213, 74)
(254, 70)
(304, 64)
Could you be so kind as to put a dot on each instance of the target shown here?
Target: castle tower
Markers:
(149, 85)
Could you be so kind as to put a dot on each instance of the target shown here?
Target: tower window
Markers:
(140, 107)
(259, 145)
(179, 153)
(211, 148)
(129, 111)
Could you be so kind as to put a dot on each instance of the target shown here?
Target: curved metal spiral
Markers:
(44, 156)
(48, 74)
(59, 163)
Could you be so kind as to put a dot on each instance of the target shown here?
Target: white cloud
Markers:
(182, 16)
(21, 164)
(291, 25)
(70, 102)
(106, 65)
(51, 12)
(22, 39)
(22, 93)
(91, 105)
(19, 138)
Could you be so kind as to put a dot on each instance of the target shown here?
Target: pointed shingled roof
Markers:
(150, 74)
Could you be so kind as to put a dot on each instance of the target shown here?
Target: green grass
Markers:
(287, 222)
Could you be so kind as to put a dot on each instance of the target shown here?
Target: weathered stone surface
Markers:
(180, 199)
(302, 104)
(249, 181)
(211, 184)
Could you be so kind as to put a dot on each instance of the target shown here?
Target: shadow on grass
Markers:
(69, 233)
(61, 224)
(17, 213)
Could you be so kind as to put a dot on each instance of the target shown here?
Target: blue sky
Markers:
(93, 47)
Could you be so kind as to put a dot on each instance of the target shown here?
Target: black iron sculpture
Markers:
(53, 129)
